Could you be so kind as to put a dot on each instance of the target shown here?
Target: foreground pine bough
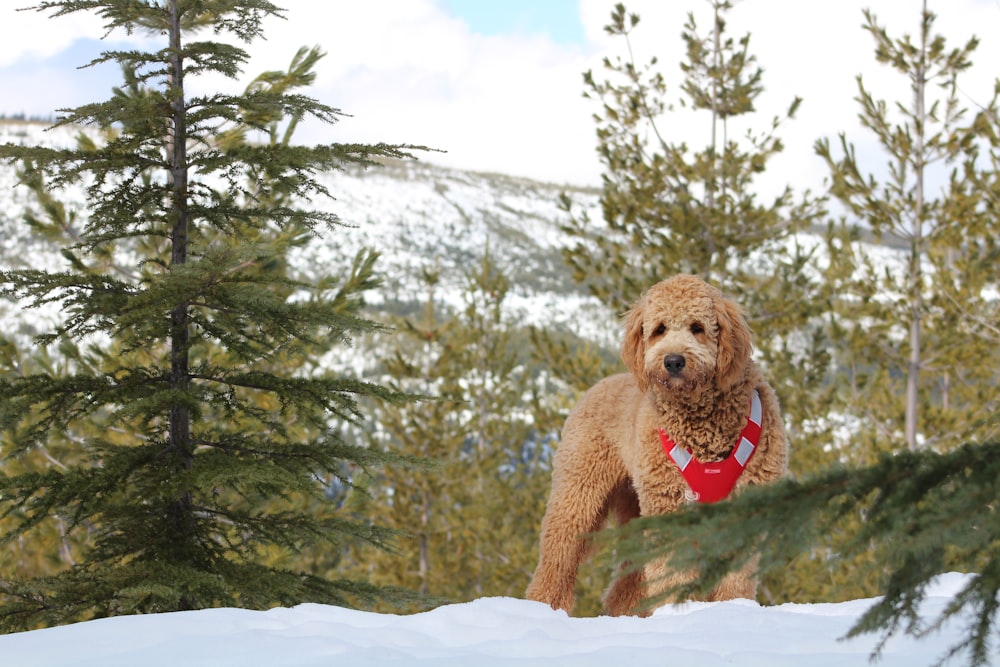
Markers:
(924, 513)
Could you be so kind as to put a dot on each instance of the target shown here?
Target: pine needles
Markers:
(922, 513)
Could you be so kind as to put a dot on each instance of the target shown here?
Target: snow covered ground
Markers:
(490, 632)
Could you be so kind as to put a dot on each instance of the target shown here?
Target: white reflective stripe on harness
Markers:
(755, 408)
(681, 456)
(743, 451)
(746, 447)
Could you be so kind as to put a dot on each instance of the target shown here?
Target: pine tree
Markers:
(201, 427)
(933, 204)
(472, 513)
(896, 324)
(933, 208)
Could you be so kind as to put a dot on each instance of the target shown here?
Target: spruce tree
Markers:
(200, 424)
(896, 323)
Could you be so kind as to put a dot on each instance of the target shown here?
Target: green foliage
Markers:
(696, 208)
(924, 513)
(187, 430)
(935, 201)
(897, 327)
(470, 515)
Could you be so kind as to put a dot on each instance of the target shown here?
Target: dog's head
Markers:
(683, 335)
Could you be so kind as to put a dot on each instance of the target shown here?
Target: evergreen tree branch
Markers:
(925, 514)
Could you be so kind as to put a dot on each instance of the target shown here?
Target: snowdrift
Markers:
(490, 632)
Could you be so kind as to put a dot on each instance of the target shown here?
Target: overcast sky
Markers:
(497, 83)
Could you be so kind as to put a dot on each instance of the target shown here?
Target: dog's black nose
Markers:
(674, 363)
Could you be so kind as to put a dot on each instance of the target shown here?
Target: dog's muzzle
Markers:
(674, 364)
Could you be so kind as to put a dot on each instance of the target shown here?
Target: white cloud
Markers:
(408, 72)
(28, 34)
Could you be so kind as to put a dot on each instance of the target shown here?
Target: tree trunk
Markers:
(180, 416)
(916, 254)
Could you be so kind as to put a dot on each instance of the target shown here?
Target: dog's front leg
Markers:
(578, 505)
(661, 491)
(561, 550)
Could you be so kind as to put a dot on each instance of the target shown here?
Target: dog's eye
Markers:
(660, 330)
(697, 328)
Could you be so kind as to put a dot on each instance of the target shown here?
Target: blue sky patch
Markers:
(559, 19)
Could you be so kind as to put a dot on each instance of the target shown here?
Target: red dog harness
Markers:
(711, 482)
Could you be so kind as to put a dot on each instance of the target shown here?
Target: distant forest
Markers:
(22, 117)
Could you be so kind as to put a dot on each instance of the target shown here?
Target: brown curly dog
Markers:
(688, 352)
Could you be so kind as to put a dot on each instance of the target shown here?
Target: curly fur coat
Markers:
(687, 349)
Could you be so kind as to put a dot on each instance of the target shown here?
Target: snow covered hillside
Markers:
(417, 215)
(490, 632)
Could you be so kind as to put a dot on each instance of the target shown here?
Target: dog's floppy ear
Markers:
(633, 349)
(734, 343)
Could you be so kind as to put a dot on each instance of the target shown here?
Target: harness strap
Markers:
(711, 482)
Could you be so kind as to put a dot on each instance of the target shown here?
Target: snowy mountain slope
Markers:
(420, 216)
(417, 215)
